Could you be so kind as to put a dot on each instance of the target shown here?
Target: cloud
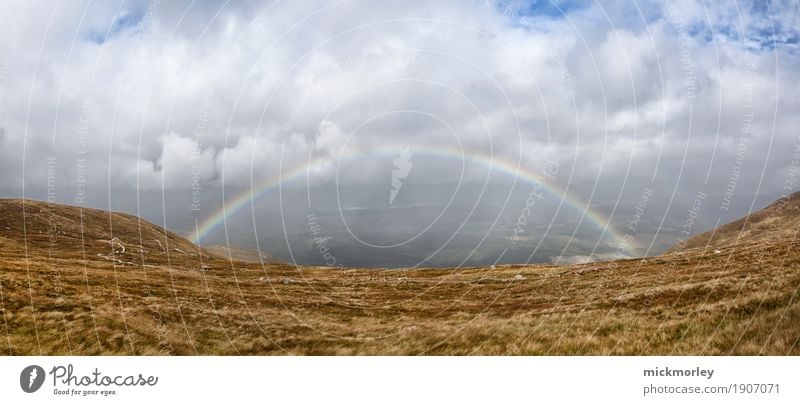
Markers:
(609, 91)
(254, 159)
(181, 164)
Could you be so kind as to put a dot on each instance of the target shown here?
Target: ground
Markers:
(87, 282)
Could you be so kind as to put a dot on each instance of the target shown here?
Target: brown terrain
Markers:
(82, 281)
(779, 220)
(241, 254)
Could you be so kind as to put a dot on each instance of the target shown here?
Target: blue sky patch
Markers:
(125, 21)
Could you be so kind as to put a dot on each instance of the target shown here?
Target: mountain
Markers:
(86, 282)
(779, 220)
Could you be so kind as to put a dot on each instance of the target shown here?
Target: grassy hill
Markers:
(81, 281)
(780, 220)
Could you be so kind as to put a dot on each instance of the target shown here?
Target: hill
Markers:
(67, 287)
(779, 220)
(65, 231)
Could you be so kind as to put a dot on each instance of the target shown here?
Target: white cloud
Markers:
(181, 164)
(333, 69)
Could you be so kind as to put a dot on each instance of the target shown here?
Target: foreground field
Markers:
(91, 282)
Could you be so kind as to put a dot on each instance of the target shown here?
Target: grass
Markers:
(60, 297)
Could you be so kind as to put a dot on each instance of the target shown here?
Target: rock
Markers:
(519, 277)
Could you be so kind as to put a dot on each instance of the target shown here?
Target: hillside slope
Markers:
(55, 230)
(54, 299)
(779, 220)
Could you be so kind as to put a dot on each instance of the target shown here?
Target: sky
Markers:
(201, 101)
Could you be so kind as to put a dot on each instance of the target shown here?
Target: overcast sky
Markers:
(624, 96)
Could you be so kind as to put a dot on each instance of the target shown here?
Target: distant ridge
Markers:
(241, 254)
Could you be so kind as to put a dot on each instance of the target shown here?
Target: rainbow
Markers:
(513, 169)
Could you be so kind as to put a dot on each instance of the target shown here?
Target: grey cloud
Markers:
(605, 90)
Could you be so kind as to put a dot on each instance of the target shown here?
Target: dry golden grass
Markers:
(69, 289)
